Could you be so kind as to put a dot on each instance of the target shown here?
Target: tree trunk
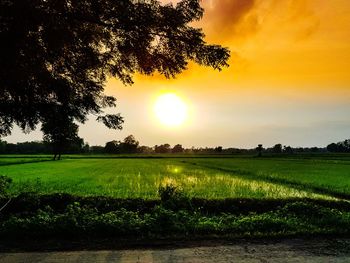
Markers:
(59, 156)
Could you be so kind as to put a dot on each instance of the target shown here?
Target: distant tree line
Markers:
(40, 147)
(286, 149)
(129, 145)
(340, 147)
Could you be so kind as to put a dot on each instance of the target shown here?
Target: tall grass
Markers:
(332, 176)
(19, 159)
(140, 178)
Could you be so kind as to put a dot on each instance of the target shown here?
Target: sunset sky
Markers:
(288, 81)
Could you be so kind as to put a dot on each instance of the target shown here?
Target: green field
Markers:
(211, 178)
(117, 196)
(19, 159)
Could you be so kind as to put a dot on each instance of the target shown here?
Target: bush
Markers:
(5, 183)
(172, 197)
(81, 221)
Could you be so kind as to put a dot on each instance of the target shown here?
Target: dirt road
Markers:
(296, 250)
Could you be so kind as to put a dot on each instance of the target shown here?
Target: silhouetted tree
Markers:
(340, 147)
(177, 149)
(97, 149)
(164, 148)
(129, 145)
(288, 149)
(277, 148)
(218, 149)
(333, 147)
(31, 147)
(314, 149)
(86, 148)
(60, 133)
(260, 149)
(55, 57)
(2, 146)
(112, 147)
(145, 149)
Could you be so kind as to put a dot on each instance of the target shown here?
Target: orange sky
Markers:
(288, 80)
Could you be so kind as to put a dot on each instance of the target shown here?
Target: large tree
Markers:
(56, 55)
(130, 144)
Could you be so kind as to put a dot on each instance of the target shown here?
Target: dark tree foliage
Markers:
(277, 148)
(177, 149)
(145, 149)
(129, 145)
(96, 149)
(2, 146)
(218, 149)
(259, 149)
(61, 132)
(340, 147)
(112, 147)
(57, 54)
(164, 148)
(288, 150)
(333, 147)
(41, 147)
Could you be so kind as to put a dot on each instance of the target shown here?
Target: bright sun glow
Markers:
(170, 109)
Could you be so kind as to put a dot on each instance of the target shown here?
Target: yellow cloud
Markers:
(274, 43)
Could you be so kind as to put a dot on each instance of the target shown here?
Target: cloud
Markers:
(297, 19)
(226, 18)
(305, 20)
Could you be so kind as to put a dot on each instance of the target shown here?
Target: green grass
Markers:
(211, 178)
(328, 175)
(19, 159)
(272, 197)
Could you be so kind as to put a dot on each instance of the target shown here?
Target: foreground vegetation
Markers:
(174, 215)
(185, 197)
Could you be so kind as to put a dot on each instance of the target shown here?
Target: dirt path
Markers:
(296, 250)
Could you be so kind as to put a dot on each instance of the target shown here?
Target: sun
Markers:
(170, 109)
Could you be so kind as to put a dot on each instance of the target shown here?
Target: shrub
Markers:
(173, 197)
(5, 183)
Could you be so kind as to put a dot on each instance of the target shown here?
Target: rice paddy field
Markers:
(210, 177)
